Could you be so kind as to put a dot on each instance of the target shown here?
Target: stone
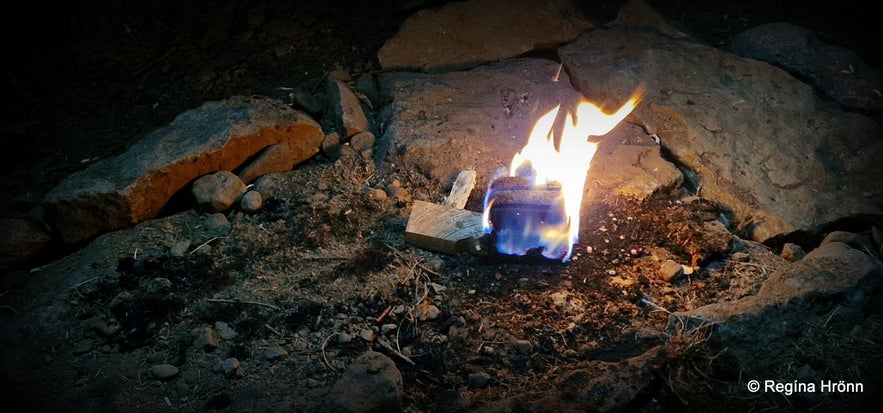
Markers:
(639, 14)
(206, 338)
(224, 330)
(441, 124)
(251, 201)
(478, 380)
(217, 223)
(164, 372)
(232, 367)
(274, 158)
(792, 252)
(274, 353)
(345, 110)
(828, 292)
(135, 186)
(837, 73)
(179, 248)
(217, 192)
(459, 35)
(22, 240)
(427, 312)
(760, 142)
(362, 141)
(856, 241)
(670, 271)
(371, 383)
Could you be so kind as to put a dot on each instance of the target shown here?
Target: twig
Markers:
(275, 331)
(398, 354)
(558, 73)
(204, 244)
(324, 344)
(82, 283)
(152, 62)
(647, 301)
(6, 307)
(383, 314)
(222, 300)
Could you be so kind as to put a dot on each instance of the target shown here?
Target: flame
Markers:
(567, 166)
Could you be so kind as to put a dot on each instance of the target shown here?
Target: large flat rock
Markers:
(440, 124)
(468, 33)
(762, 143)
(136, 185)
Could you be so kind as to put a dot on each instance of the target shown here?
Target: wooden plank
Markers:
(442, 228)
(461, 189)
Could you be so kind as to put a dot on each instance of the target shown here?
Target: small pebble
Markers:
(164, 371)
(478, 380)
(251, 201)
(224, 330)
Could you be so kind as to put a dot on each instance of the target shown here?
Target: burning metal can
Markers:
(523, 217)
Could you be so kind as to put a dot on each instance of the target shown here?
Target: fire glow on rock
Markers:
(535, 205)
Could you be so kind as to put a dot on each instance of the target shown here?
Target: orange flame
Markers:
(567, 165)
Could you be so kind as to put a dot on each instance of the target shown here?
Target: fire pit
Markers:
(535, 205)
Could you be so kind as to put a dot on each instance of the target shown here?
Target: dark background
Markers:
(83, 80)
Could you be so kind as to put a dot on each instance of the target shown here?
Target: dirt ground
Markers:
(322, 271)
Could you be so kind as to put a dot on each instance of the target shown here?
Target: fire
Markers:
(536, 203)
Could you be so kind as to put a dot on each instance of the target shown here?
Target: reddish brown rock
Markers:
(275, 158)
(136, 185)
(462, 35)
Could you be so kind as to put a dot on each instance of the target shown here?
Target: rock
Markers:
(135, 186)
(21, 241)
(217, 223)
(375, 193)
(523, 346)
(759, 157)
(856, 241)
(639, 14)
(826, 293)
(459, 35)
(306, 101)
(274, 158)
(362, 141)
(741, 256)
(366, 84)
(670, 271)
(441, 124)
(398, 193)
(217, 192)
(164, 372)
(274, 353)
(427, 312)
(478, 380)
(792, 252)
(635, 169)
(206, 338)
(371, 383)
(331, 145)
(224, 330)
(179, 248)
(345, 110)
(251, 201)
(838, 73)
(231, 367)
(82, 347)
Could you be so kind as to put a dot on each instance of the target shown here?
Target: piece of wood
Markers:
(461, 189)
(442, 228)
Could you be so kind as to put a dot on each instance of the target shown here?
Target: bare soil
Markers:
(322, 271)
